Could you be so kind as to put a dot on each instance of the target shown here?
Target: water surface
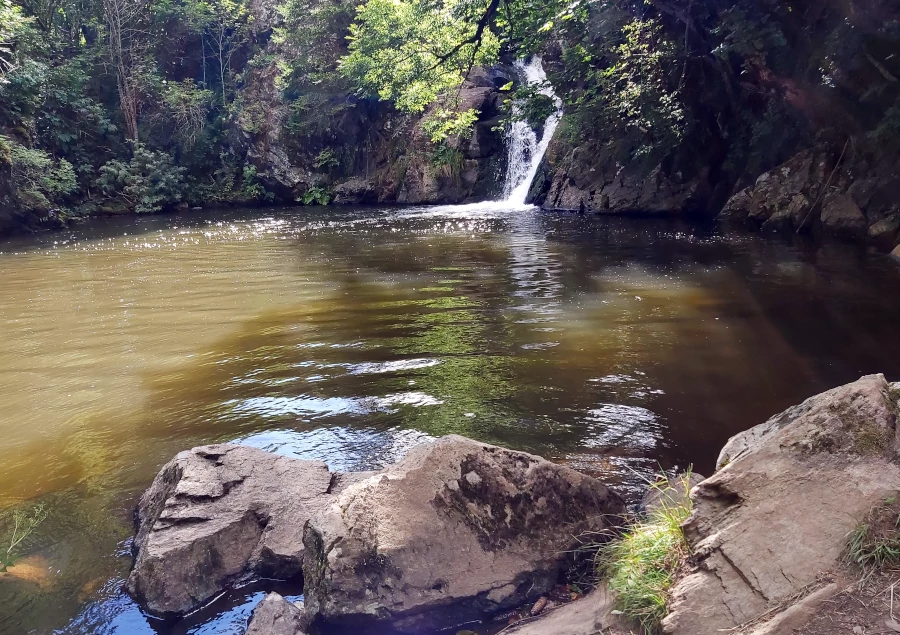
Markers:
(618, 346)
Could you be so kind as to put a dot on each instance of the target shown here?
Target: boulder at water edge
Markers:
(217, 514)
(776, 514)
(456, 530)
(276, 616)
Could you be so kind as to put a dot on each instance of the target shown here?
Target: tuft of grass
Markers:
(875, 542)
(641, 564)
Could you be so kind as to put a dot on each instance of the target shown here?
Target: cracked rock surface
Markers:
(776, 514)
(218, 514)
(457, 529)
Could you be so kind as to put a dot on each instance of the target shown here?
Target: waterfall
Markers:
(523, 148)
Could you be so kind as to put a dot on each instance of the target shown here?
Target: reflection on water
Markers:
(614, 345)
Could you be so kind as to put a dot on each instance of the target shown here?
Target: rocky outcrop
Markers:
(456, 528)
(218, 514)
(355, 191)
(818, 190)
(590, 179)
(361, 151)
(276, 616)
(776, 515)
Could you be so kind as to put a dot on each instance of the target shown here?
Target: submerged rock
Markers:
(457, 528)
(217, 514)
(276, 616)
(776, 515)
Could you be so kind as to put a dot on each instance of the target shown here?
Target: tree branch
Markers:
(475, 38)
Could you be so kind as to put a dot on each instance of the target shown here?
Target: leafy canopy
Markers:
(410, 52)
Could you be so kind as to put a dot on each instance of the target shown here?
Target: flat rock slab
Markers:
(776, 515)
(457, 529)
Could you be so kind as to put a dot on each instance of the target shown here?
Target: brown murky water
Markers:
(615, 345)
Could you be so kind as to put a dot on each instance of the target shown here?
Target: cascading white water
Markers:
(523, 148)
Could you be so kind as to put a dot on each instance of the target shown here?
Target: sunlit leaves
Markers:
(411, 52)
(11, 22)
(444, 123)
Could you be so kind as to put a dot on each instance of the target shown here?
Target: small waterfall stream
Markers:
(524, 149)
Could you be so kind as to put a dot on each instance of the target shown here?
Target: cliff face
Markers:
(368, 152)
(360, 150)
(763, 90)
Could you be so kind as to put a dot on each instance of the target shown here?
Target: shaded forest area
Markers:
(111, 106)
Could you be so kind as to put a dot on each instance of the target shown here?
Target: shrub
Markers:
(875, 543)
(252, 188)
(641, 565)
(149, 182)
(316, 195)
(22, 525)
(38, 179)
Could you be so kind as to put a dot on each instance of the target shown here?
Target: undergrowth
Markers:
(640, 565)
(875, 542)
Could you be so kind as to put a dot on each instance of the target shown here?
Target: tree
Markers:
(127, 51)
(227, 26)
(222, 25)
(411, 52)
(11, 21)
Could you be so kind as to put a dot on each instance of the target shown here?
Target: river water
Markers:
(617, 346)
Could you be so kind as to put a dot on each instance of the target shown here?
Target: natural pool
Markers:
(614, 345)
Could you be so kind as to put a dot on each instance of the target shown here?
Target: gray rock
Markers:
(217, 514)
(458, 528)
(776, 515)
(790, 216)
(841, 215)
(276, 616)
(781, 198)
(355, 191)
(591, 615)
(590, 179)
(885, 231)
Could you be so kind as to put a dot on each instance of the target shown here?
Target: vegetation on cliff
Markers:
(137, 105)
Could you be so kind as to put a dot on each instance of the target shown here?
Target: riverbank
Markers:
(801, 510)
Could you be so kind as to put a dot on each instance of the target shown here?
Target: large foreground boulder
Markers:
(457, 529)
(217, 514)
(776, 515)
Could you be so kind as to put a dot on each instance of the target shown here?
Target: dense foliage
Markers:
(128, 104)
